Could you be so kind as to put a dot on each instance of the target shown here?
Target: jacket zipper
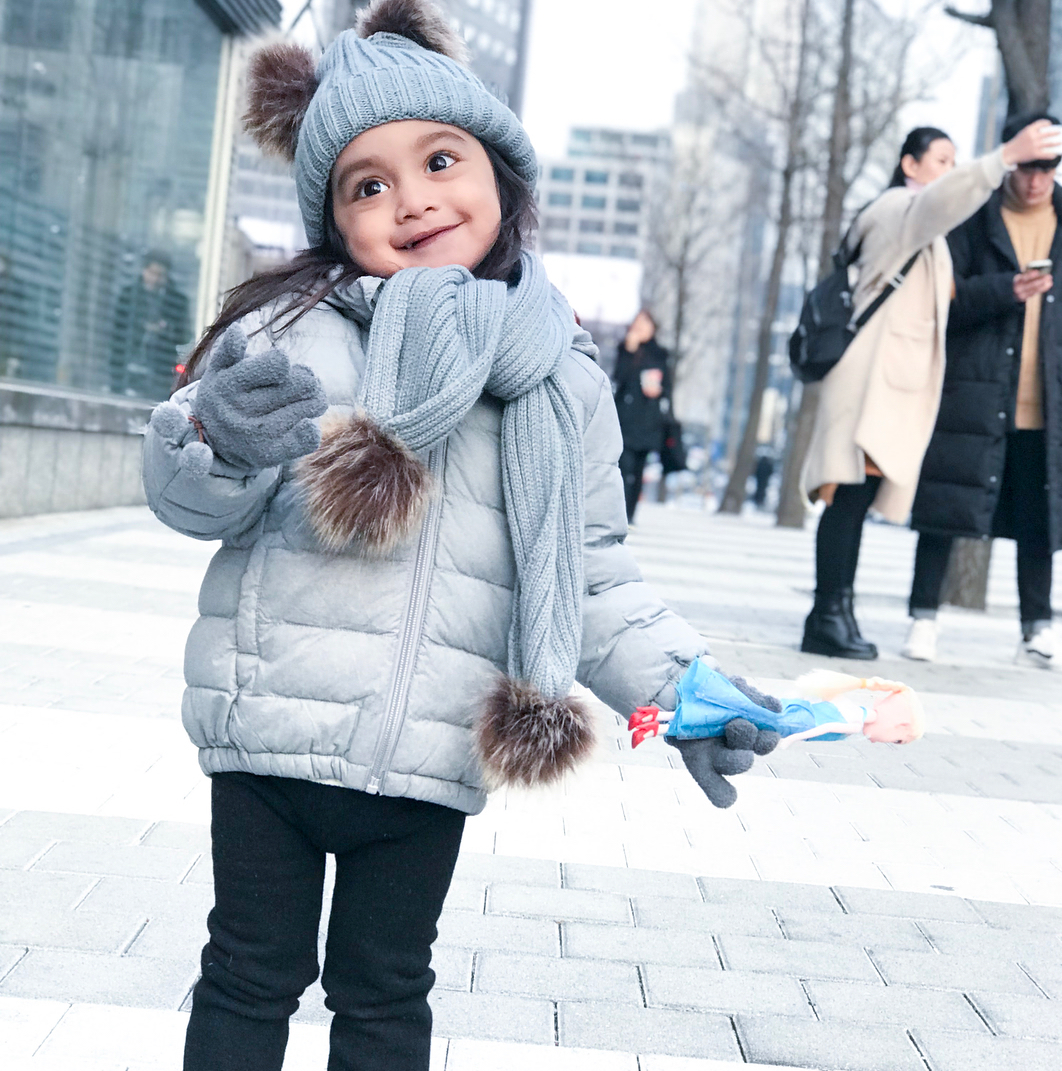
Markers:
(412, 628)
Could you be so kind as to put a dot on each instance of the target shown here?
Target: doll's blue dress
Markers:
(707, 701)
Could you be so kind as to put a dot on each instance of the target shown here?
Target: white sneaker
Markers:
(921, 645)
(1038, 650)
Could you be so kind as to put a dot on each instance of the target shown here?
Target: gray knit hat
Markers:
(402, 62)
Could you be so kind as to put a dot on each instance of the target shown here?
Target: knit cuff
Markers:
(995, 159)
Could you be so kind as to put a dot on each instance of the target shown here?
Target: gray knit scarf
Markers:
(439, 339)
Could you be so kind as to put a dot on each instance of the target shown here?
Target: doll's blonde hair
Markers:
(827, 684)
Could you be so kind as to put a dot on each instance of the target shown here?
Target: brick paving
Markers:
(861, 907)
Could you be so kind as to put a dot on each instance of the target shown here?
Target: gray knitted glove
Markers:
(710, 758)
(258, 411)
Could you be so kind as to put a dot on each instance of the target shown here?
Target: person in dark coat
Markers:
(641, 383)
(994, 464)
(150, 322)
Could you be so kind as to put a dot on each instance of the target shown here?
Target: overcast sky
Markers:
(620, 63)
(605, 64)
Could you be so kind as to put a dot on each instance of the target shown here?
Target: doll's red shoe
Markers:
(642, 716)
(643, 723)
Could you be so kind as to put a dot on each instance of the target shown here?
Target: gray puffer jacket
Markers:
(368, 671)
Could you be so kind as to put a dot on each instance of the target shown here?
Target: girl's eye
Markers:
(440, 161)
(369, 188)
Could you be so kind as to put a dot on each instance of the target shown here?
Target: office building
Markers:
(107, 131)
(115, 146)
(596, 200)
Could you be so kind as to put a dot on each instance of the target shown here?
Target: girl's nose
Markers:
(415, 197)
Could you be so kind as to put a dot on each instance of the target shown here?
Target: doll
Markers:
(828, 706)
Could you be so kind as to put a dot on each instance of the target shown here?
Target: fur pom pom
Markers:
(281, 82)
(525, 739)
(363, 484)
(418, 20)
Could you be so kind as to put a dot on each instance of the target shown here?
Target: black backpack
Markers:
(826, 326)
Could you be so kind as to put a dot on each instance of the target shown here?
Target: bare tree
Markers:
(692, 254)
(872, 84)
(802, 418)
(795, 95)
(1023, 33)
(684, 232)
(854, 83)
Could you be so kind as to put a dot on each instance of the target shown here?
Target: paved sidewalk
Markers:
(862, 907)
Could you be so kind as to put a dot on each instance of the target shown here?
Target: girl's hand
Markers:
(1041, 140)
(258, 411)
(709, 758)
(1028, 284)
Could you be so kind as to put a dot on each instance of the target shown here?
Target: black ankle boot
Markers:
(831, 629)
(848, 609)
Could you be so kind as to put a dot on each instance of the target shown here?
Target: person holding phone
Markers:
(641, 384)
(877, 406)
(994, 464)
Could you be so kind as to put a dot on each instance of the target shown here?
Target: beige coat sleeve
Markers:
(901, 222)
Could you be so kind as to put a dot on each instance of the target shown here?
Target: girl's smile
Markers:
(415, 193)
(427, 237)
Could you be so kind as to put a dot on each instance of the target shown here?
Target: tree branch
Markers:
(974, 20)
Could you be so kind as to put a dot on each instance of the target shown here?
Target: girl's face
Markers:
(937, 160)
(414, 193)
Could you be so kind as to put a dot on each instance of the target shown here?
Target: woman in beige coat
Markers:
(879, 403)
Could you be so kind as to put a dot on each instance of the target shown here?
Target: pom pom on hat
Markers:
(421, 22)
(281, 82)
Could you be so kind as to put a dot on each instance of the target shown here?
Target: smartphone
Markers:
(1042, 266)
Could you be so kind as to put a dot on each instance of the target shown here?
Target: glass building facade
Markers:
(107, 116)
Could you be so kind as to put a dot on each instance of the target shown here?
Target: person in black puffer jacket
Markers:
(994, 464)
(642, 387)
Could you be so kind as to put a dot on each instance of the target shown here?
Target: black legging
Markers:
(394, 861)
(1023, 508)
(840, 534)
(632, 465)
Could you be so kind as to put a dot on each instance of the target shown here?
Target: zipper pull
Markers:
(373, 787)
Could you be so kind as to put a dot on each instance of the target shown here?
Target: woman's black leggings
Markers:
(394, 861)
(632, 466)
(839, 536)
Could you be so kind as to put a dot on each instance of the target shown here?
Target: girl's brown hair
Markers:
(310, 276)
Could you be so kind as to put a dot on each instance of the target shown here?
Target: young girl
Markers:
(409, 455)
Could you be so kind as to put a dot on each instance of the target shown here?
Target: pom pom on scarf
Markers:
(363, 485)
(281, 82)
(418, 20)
(525, 739)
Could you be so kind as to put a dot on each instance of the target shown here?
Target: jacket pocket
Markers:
(908, 354)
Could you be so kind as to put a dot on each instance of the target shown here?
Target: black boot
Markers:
(848, 609)
(831, 629)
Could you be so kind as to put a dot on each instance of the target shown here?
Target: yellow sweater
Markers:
(1031, 230)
